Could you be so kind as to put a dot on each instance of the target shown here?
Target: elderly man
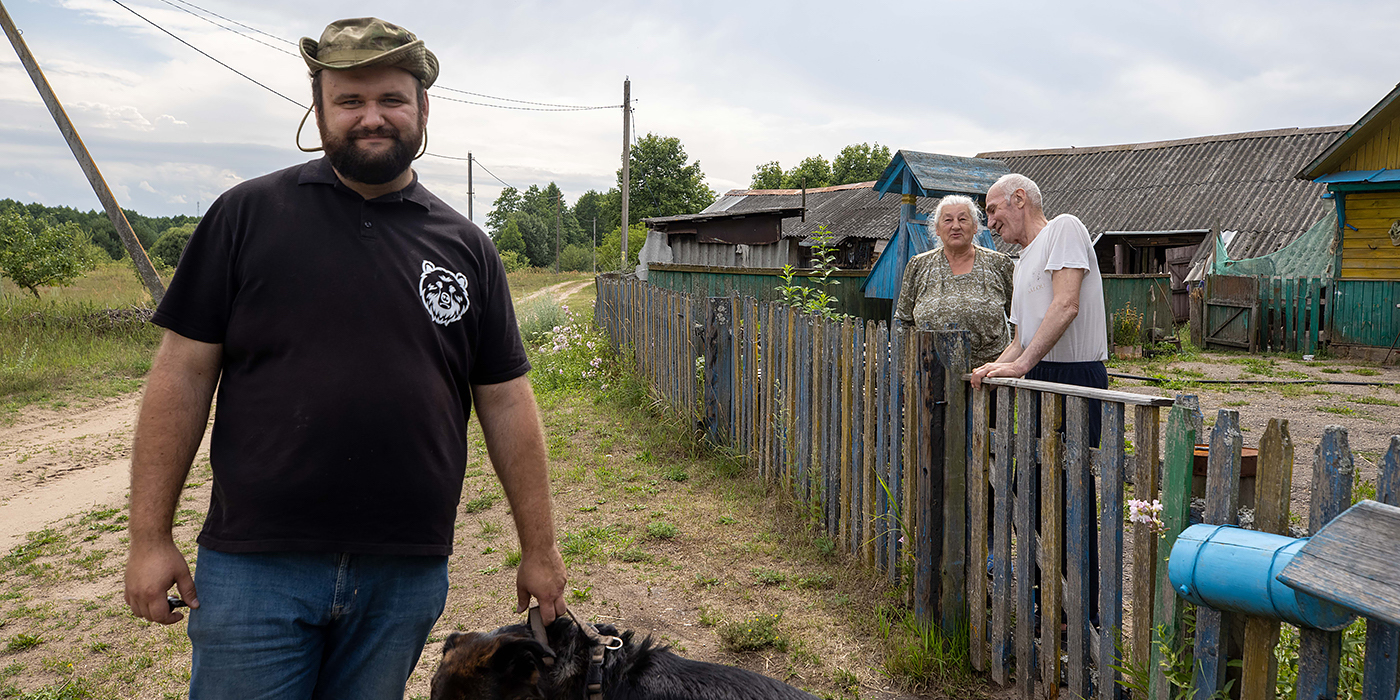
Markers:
(1057, 301)
(350, 319)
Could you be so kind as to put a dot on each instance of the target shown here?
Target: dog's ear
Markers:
(455, 639)
(519, 662)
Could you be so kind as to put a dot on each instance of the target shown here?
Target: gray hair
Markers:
(954, 200)
(1016, 181)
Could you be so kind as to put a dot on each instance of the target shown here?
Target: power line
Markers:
(206, 55)
(250, 28)
(230, 29)
(527, 102)
(488, 172)
(522, 109)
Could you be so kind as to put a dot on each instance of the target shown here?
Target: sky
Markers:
(739, 84)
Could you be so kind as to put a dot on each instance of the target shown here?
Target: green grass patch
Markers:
(480, 503)
(662, 530)
(587, 544)
(754, 634)
(1372, 401)
(1364, 371)
(1346, 411)
(22, 642)
(768, 577)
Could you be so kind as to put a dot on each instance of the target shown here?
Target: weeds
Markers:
(919, 654)
(768, 577)
(754, 634)
(662, 530)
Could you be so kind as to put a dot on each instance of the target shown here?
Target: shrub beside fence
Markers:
(910, 470)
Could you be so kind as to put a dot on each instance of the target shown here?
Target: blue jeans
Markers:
(311, 625)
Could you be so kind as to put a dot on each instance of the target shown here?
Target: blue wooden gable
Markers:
(915, 174)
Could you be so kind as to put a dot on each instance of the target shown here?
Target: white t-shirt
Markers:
(1063, 243)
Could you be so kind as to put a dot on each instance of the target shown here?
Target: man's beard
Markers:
(360, 165)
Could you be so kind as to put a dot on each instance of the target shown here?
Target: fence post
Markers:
(1222, 508)
(1079, 515)
(1052, 511)
(1319, 653)
(1379, 682)
(719, 362)
(977, 531)
(1146, 430)
(1182, 422)
(928, 549)
(954, 350)
(1023, 507)
(1111, 462)
(1272, 488)
(1001, 535)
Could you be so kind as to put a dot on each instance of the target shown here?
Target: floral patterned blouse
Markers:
(933, 298)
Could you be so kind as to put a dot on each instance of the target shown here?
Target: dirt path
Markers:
(561, 291)
(57, 463)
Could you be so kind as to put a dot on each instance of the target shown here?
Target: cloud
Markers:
(167, 120)
(147, 187)
(105, 116)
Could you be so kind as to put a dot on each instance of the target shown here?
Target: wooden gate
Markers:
(1231, 307)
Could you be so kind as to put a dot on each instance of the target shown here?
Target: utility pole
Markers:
(558, 224)
(94, 176)
(626, 162)
(595, 245)
(470, 192)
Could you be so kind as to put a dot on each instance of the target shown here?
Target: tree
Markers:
(662, 183)
(610, 248)
(859, 162)
(37, 252)
(507, 203)
(768, 176)
(171, 244)
(578, 258)
(589, 207)
(813, 171)
(539, 238)
(510, 239)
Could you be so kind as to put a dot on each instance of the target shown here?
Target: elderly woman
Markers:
(960, 285)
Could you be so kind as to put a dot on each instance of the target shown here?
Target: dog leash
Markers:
(599, 645)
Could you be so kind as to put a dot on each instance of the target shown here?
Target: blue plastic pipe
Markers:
(1236, 570)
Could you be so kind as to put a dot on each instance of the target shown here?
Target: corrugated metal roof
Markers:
(1233, 182)
(937, 174)
(854, 210)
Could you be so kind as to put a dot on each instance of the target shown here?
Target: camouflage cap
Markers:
(364, 42)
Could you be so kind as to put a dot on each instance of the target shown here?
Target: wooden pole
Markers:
(626, 163)
(85, 161)
(470, 192)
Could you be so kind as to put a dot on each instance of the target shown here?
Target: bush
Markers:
(39, 252)
(578, 258)
(171, 244)
(538, 317)
(513, 261)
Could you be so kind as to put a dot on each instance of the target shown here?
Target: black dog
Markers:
(509, 664)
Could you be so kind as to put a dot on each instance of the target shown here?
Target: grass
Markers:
(754, 634)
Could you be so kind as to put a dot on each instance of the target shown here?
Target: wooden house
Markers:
(1361, 171)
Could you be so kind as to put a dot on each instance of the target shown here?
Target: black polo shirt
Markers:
(352, 332)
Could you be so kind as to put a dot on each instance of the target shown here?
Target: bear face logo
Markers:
(444, 293)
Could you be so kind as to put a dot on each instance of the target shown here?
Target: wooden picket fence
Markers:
(1291, 313)
(915, 473)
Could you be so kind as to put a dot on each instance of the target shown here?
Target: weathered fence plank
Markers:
(1052, 485)
(1319, 653)
(1079, 514)
(977, 472)
(882, 450)
(1147, 453)
(929, 412)
(1111, 463)
(1001, 536)
(1222, 508)
(954, 350)
(1182, 428)
(1273, 485)
(872, 419)
(1379, 681)
(1024, 533)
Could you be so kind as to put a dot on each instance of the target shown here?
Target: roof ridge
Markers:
(830, 188)
(1147, 145)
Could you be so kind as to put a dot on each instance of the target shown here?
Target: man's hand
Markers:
(998, 369)
(151, 570)
(541, 575)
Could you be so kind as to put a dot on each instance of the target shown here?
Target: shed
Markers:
(1360, 170)
(1152, 204)
(912, 175)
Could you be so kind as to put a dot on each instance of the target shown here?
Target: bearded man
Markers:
(350, 319)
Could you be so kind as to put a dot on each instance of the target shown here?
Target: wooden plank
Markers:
(1273, 485)
(1079, 515)
(954, 351)
(1222, 508)
(1352, 561)
(1176, 510)
(929, 407)
(858, 423)
(847, 395)
(1146, 433)
(1122, 397)
(1290, 316)
(1001, 536)
(1051, 545)
(873, 361)
(1319, 653)
(893, 511)
(835, 411)
(977, 487)
(1025, 538)
(1111, 464)
(1314, 313)
(1379, 680)
(882, 453)
(904, 474)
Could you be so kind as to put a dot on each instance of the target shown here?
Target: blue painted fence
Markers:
(912, 470)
